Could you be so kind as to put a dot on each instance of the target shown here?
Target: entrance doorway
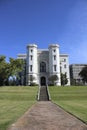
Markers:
(43, 81)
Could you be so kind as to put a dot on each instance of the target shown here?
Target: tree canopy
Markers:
(53, 79)
(4, 70)
(11, 68)
(83, 74)
(64, 80)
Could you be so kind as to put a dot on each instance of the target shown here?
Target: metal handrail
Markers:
(38, 93)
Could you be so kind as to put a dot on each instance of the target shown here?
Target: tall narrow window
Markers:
(31, 50)
(64, 60)
(65, 66)
(66, 73)
(54, 50)
(31, 57)
(54, 67)
(54, 57)
(30, 67)
(42, 67)
(60, 69)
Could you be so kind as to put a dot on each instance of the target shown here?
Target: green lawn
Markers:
(14, 101)
(72, 99)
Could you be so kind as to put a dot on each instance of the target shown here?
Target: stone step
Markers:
(43, 94)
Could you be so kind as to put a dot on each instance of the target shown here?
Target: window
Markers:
(42, 67)
(54, 50)
(60, 69)
(64, 60)
(30, 67)
(31, 57)
(31, 50)
(54, 57)
(54, 67)
(65, 66)
(66, 73)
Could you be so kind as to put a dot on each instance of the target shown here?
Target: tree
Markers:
(10, 69)
(64, 80)
(53, 79)
(83, 74)
(4, 71)
(16, 68)
(73, 81)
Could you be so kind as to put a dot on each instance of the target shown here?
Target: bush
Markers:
(33, 84)
(51, 84)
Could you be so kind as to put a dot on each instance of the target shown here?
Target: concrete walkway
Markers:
(45, 115)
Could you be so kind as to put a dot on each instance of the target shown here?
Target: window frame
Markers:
(31, 68)
(55, 68)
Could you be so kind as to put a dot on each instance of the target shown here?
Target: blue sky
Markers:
(44, 22)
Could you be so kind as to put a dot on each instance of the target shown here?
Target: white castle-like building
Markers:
(44, 63)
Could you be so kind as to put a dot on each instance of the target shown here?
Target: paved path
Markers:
(45, 115)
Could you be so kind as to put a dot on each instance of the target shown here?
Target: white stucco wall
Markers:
(64, 63)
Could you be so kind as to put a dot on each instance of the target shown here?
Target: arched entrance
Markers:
(43, 81)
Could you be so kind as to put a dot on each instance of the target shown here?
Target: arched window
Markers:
(42, 67)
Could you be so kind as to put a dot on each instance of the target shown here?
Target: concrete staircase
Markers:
(43, 96)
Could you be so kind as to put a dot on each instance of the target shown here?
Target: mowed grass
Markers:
(14, 101)
(72, 99)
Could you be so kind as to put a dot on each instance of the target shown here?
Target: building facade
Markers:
(44, 63)
(75, 69)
